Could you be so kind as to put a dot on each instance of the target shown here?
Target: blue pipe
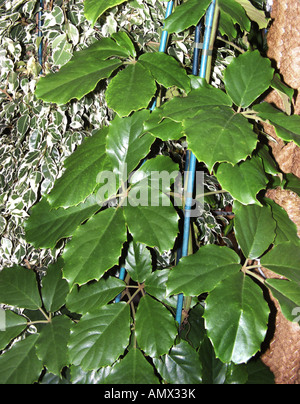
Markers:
(122, 277)
(192, 167)
(40, 34)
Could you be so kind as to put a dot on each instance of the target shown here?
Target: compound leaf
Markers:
(93, 9)
(55, 289)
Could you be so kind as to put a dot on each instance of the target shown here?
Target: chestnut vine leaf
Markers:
(247, 77)
(130, 90)
(82, 73)
(254, 14)
(181, 365)
(244, 180)
(46, 225)
(20, 364)
(94, 295)
(284, 259)
(138, 262)
(126, 144)
(202, 271)
(287, 127)
(93, 9)
(18, 287)
(236, 317)
(79, 179)
(132, 369)
(254, 228)
(93, 341)
(288, 295)
(219, 135)
(186, 15)
(51, 346)
(14, 325)
(236, 13)
(166, 70)
(155, 333)
(100, 242)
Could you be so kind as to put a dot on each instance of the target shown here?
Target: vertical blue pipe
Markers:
(162, 48)
(40, 34)
(192, 169)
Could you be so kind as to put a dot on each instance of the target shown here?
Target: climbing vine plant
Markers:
(80, 322)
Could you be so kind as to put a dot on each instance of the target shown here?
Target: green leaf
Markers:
(81, 170)
(155, 327)
(254, 228)
(93, 9)
(100, 337)
(133, 369)
(138, 262)
(126, 144)
(46, 226)
(82, 73)
(11, 326)
(181, 366)
(100, 243)
(18, 287)
(165, 130)
(259, 373)
(284, 259)
(219, 135)
(287, 127)
(180, 108)
(20, 365)
(166, 70)
(155, 226)
(288, 295)
(155, 285)
(254, 14)
(202, 271)
(236, 13)
(286, 93)
(51, 346)
(132, 89)
(123, 40)
(293, 183)
(55, 289)
(236, 318)
(286, 229)
(247, 77)
(186, 15)
(91, 297)
(244, 180)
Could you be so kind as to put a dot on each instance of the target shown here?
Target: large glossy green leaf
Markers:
(99, 242)
(286, 229)
(155, 327)
(254, 13)
(288, 295)
(247, 77)
(180, 108)
(46, 225)
(18, 287)
(11, 326)
(52, 344)
(254, 228)
(181, 366)
(138, 262)
(93, 9)
(235, 12)
(155, 226)
(126, 144)
(132, 89)
(133, 369)
(20, 365)
(244, 180)
(219, 135)
(202, 271)
(186, 15)
(91, 297)
(236, 318)
(287, 127)
(81, 170)
(100, 337)
(166, 70)
(82, 73)
(284, 259)
(155, 285)
(55, 289)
